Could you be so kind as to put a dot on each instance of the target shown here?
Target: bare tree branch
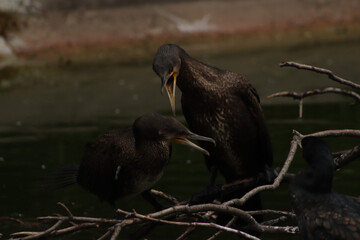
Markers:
(193, 224)
(202, 213)
(347, 157)
(327, 72)
(277, 181)
(66, 208)
(75, 228)
(301, 95)
(164, 196)
(37, 235)
(116, 232)
(106, 235)
(330, 133)
(231, 222)
(270, 211)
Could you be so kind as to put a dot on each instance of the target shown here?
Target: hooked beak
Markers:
(183, 140)
(170, 89)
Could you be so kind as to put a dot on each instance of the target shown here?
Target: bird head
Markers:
(317, 179)
(316, 153)
(155, 127)
(166, 65)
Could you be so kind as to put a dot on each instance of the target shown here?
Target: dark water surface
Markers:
(49, 113)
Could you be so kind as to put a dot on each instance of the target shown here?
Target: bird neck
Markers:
(195, 75)
(314, 181)
(151, 146)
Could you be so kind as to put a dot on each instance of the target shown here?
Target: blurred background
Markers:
(71, 70)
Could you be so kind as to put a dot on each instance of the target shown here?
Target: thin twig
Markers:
(82, 219)
(302, 95)
(301, 108)
(45, 233)
(331, 133)
(231, 222)
(13, 220)
(204, 208)
(186, 233)
(74, 228)
(116, 232)
(164, 196)
(66, 209)
(327, 72)
(270, 211)
(106, 235)
(195, 224)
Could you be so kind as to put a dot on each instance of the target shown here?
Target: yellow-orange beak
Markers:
(170, 89)
(183, 140)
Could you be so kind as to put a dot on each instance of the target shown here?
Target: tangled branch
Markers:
(204, 214)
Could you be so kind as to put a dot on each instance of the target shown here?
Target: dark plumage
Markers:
(222, 105)
(126, 162)
(321, 213)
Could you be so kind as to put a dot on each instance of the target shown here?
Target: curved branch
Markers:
(344, 157)
(277, 181)
(330, 133)
(327, 72)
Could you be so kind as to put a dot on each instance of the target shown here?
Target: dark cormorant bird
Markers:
(222, 105)
(126, 162)
(321, 213)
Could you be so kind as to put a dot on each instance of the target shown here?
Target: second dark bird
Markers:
(127, 162)
(222, 105)
(320, 212)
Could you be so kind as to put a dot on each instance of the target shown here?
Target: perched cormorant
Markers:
(222, 105)
(126, 162)
(321, 213)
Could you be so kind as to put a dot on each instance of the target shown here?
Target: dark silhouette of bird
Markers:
(320, 212)
(222, 105)
(127, 162)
